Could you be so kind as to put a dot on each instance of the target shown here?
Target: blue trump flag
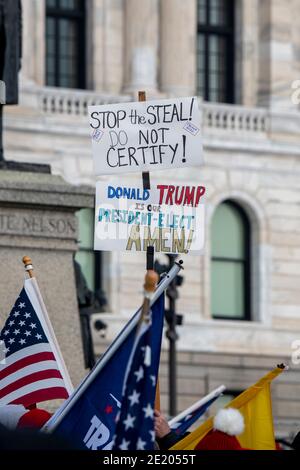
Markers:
(90, 420)
(135, 425)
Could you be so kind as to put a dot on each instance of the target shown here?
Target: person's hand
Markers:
(161, 426)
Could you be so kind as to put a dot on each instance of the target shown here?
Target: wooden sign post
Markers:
(145, 174)
(146, 185)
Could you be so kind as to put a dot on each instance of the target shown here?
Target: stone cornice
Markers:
(45, 190)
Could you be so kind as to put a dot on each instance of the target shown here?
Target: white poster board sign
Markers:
(145, 136)
(169, 217)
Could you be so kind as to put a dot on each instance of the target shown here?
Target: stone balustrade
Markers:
(216, 117)
(235, 118)
(73, 102)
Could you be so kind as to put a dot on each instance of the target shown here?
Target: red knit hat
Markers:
(217, 440)
(34, 418)
(17, 416)
(228, 423)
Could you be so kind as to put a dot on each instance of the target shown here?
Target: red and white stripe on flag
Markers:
(31, 366)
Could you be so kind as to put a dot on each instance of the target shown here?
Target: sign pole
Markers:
(146, 185)
(145, 174)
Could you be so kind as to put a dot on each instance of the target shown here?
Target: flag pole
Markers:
(63, 410)
(29, 268)
(151, 281)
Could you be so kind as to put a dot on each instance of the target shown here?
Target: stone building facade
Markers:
(252, 159)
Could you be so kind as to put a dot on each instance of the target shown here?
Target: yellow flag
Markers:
(255, 404)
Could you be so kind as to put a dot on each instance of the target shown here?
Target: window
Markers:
(89, 260)
(230, 267)
(88, 276)
(215, 50)
(65, 43)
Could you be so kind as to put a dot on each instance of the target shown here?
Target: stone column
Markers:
(296, 39)
(178, 35)
(246, 51)
(105, 37)
(95, 49)
(141, 45)
(33, 43)
(276, 54)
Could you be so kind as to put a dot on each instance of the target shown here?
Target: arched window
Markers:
(230, 263)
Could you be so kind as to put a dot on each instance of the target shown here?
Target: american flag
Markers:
(135, 426)
(29, 370)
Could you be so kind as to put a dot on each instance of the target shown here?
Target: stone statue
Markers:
(10, 65)
(10, 53)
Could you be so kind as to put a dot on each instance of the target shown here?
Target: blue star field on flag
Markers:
(22, 328)
(180, 427)
(135, 426)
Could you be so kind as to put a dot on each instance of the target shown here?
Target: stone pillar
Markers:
(33, 43)
(178, 30)
(37, 218)
(276, 54)
(141, 45)
(95, 45)
(246, 51)
(105, 35)
(296, 39)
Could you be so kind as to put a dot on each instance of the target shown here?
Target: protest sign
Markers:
(145, 136)
(168, 217)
